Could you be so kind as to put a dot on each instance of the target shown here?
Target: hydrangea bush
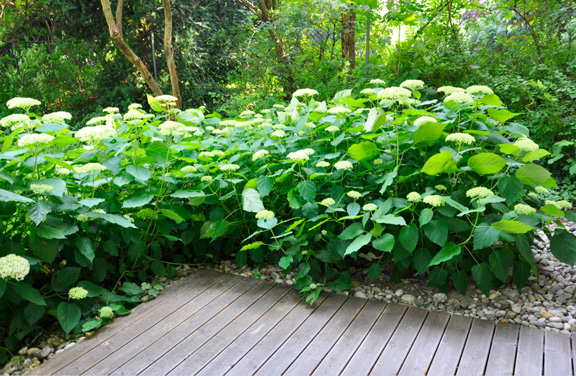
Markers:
(447, 187)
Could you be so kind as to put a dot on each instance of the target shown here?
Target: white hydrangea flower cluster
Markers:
(322, 164)
(24, 103)
(260, 154)
(440, 187)
(247, 114)
(305, 93)
(447, 90)
(377, 81)
(522, 209)
(434, 200)
(35, 140)
(354, 195)
(461, 138)
(479, 90)
(111, 110)
(300, 155)
(339, 110)
(414, 197)
(40, 189)
(343, 165)
(172, 128)
(526, 145)
(328, 202)
(95, 134)
(459, 97)
(562, 204)
(370, 207)
(479, 192)
(278, 133)
(229, 167)
(77, 293)
(423, 120)
(368, 91)
(188, 169)
(265, 214)
(377, 161)
(321, 108)
(134, 106)
(167, 100)
(13, 266)
(395, 94)
(541, 190)
(57, 117)
(106, 312)
(14, 120)
(62, 171)
(332, 129)
(98, 120)
(412, 84)
(89, 167)
(134, 114)
(206, 179)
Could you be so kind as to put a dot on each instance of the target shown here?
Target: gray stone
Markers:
(45, 352)
(360, 294)
(408, 298)
(399, 292)
(439, 298)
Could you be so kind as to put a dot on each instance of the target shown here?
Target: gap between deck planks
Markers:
(218, 324)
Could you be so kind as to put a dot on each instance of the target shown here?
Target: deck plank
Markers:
(234, 352)
(477, 348)
(293, 347)
(503, 351)
(395, 352)
(338, 357)
(373, 345)
(530, 354)
(420, 356)
(201, 280)
(449, 351)
(211, 347)
(315, 352)
(557, 354)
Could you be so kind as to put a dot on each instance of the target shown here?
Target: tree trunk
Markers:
(169, 52)
(115, 28)
(349, 36)
(284, 60)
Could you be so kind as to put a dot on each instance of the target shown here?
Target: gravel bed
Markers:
(547, 302)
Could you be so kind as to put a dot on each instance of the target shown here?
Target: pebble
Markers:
(408, 298)
(545, 314)
(360, 294)
(439, 297)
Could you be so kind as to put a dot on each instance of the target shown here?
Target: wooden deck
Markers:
(215, 324)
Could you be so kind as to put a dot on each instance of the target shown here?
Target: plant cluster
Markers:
(448, 188)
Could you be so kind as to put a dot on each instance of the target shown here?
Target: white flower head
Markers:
(395, 94)
(328, 202)
(423, 120)
(370, 207)
(188, 169)
(479, 192)
(479, 90)
(35, 140)
(95, 134)
(89, 167)
(368, 91)
(98, 120)
(278, 133)
(134, 114)
(561, 205)
(526, 145)
(299, 155)
(412, 84)
(322, 164)
(106, 312)
(40, 189)
(459, 97)
(377, 161)
(77, 293)
(447, 90)
(541, 190)
(354, 195)
(13, 266)
(246, 114)
(229, 167)
(24, 103)
(57, 117)
(414, 197)
(339, 110)
(332, 129)
(343, 165)
(167, 99)
(522, 209)
(134, 106)
(265, 214)
(172, 128)
(111, 110)
(14, 119)
(305, 93)
(461, 138)
(440, 187)
(434, 200)
(260, 154)
(206, 179)
(377, 81)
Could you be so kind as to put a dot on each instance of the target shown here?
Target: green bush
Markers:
(447, 188)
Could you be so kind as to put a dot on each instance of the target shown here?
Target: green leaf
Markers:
(264, 184)
(523, 247)
(376, 117)
(91, 202)
(154, 103)
(511, 188)
(509, 149)
(425, 216)
(552, 210)
(421, 258)
(485, 236)
(440, 163)
(137, 200)
(38, 211)
(2, 287)
(385, 243)
(65, 278)
(532, 174)
(486, 163)
(409, 237)
(45, 249)
(351, 232)
(512, 227)
(428, 133)
(112, 218)
(437, 277)
(460, 281)
(158, 151)
(482, 277)
(501, 115)
(29, 293)
(374, 271)
(250, 246)
(535, 154)
(68, 315)
(251, 201)
(59, 163)
(139, 172)
(500, 260)
(58, 184)
(437, 231)
(353, 209)
(358, 243)
(172, 215)
(389, 179)
(13, 197)
(563, 246)
(131, 288)
(158, 268)
(364, 151)
(491, 100)
(286, 262)
(391, 219)
(48, 232)
(33, 313)
(188, 194)
(521, 273)
(86, 247)
(307, 190)
(446, 253)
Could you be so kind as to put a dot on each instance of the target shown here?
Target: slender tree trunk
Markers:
(169, 52)
(349, 36)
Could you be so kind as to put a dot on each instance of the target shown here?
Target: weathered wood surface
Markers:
(218, 324)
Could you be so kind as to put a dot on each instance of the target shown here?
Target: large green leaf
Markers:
(68, 315)
(33, 313)
(501, 115)
(425, 216)
(446, 253)
(437, 231)
(482, 277)
(376, 117)
(385, 243)
(534, 155)
(500, 260)
(158, 151)
(486, 163)
(409, 237)
(264, 184)
(511, 188)
(523, 247)
(460, 281)
(45, 249)
(491, 100)
(86, 247)
(428, 133)
(532, 174)
(48, 232)
(512, 227)
(485, 236)
(440, 163)
(65, 278)
(358, 243)
(563, 246)
(2, 287)
(112, 218)
(389, 179)
(420, 258)
(139, 172)
(251, 201)
(137, 200)
(364, 151)
(29, 293)
(307, 190)
(59, 186)
(11, 196)
(391, 219)
(351, 232)
(38, 211)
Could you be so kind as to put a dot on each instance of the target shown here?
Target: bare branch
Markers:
(169, 52)
(119, 8)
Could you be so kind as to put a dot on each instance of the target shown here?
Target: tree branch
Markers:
(119, 8)
(169, 52)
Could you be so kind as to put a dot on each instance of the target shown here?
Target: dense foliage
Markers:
(446, 186)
